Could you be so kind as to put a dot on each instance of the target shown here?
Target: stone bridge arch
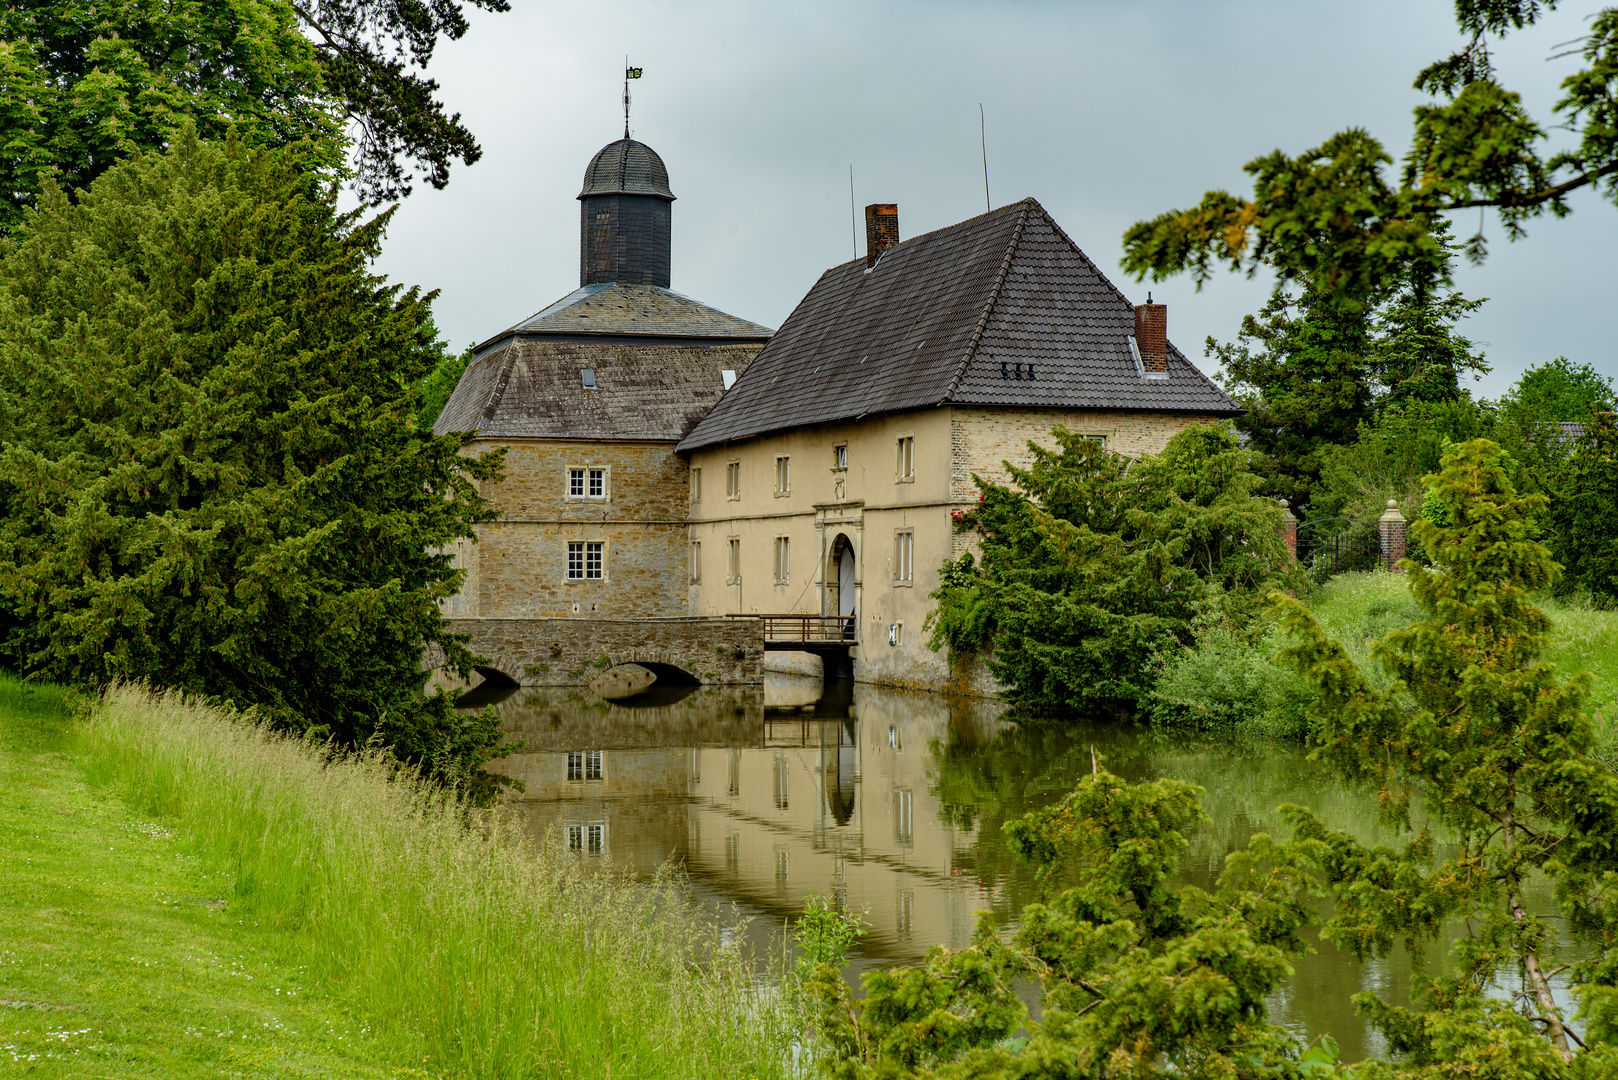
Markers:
(571, 652)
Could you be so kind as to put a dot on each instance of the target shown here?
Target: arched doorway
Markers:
(842, 576)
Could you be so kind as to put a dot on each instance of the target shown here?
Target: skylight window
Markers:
(589, 375)
(729, 378)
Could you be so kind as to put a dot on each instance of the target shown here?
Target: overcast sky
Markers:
(1106, 112)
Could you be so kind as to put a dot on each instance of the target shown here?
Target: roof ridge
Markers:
(1089, 261)
(994, 295)
(508, 362)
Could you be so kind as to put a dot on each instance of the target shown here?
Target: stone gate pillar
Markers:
(1288, 531)
(1391, 530)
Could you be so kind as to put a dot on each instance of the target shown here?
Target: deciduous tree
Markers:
(88, 83)
(1334, 219)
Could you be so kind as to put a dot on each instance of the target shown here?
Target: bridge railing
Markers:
(805, 628)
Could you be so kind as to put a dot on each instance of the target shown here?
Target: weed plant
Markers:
(475, 950)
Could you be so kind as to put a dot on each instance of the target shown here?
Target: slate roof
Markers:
(532, 387)
(626, 167)
(934, 320)
(619, 308)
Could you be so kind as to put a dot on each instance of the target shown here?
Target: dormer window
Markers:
(589, 376)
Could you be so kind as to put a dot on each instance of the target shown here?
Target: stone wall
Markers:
(518, 567)
(571, 652)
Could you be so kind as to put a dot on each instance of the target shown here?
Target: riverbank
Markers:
(1227, 682)
(182, 896)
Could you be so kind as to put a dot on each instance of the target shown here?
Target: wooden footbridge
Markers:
(830, 637)
(824, 635)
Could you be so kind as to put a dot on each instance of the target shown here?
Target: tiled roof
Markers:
(626, 167)
(534, 388)
(619, 308)
(934, 321)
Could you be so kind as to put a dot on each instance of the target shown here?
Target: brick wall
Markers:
(981, 439)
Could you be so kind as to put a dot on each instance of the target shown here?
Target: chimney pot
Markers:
(1152, 335)
(881, 230)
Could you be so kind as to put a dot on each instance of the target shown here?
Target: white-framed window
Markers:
(904, 556)
(584, 765)
(733, 569)
(783, 475)
(586, 482)
(733, 480)
(783, 559)
(903, 816)
(586, 559)
(696, 562)
(783, 778)
(905, 466)
(696, 485)
(587, 837)
(839, 456)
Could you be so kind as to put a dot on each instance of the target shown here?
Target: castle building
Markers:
(589, 397)
(825, 481)
(669, 463)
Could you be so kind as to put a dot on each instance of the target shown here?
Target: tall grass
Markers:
(476, 950)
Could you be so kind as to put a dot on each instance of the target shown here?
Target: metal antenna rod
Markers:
(626, 95)
(983, 139)
(853, 217)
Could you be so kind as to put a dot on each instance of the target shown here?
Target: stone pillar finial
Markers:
(1288, 530)
(1391, 531)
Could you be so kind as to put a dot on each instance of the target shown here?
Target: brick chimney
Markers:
(881, 230)
(1152, 335)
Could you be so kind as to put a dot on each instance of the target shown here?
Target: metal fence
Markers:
(1328, 546)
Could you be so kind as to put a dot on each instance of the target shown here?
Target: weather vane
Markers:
(629, 73)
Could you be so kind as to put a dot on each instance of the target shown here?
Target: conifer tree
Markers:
(209, 474)
(1497, 744)
(1092, 564)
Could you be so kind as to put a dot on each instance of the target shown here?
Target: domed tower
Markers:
(624, 217)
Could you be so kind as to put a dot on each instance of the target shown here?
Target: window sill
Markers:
(904, 584)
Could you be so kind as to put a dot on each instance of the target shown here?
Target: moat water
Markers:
(892, 803)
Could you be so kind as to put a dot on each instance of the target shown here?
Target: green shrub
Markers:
(1584, 512)
(1230, 680)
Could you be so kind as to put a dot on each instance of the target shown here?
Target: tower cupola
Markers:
(624, 217)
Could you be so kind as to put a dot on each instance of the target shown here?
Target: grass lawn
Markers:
(120, 954)
(1357, 609)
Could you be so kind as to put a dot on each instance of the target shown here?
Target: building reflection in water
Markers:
(764, 796)
(892, 803)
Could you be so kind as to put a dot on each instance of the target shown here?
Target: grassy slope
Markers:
(347, 889)
(1356, 609)
(1230, 683)
(120, 953)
